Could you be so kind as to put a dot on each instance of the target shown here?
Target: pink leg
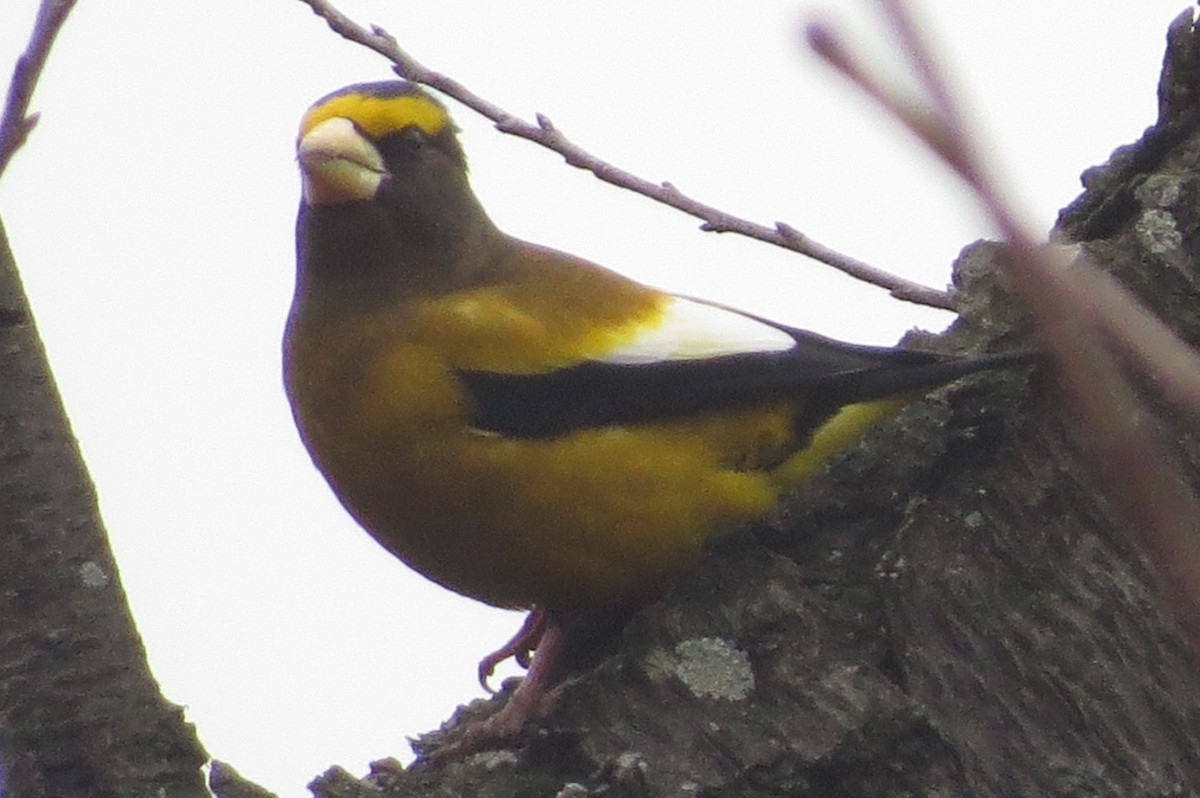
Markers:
(533, 698)
(522, 644)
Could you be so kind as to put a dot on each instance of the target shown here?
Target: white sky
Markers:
(152, 214)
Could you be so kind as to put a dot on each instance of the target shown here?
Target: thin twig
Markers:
(544, 132)
(1070, 307)
(1171, 363)
(17, 122)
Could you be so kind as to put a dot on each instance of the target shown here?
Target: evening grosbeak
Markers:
(520, 425)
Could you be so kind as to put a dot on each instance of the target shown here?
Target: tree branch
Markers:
(544, 133)
(1071, 307)
(17, 122)
(80, 713)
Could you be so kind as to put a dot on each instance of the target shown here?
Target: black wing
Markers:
(824, 373)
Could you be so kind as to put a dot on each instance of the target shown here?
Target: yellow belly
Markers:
(596, 517)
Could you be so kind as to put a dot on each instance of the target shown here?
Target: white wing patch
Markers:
(693, 330)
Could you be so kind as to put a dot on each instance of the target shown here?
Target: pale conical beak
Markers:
(338, 164)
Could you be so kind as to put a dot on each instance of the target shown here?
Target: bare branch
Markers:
(17, 122)
(1071, 307)
(544, 132)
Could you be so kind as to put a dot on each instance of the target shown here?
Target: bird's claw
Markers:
(520, 648)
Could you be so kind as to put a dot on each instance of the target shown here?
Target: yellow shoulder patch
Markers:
(378, 116)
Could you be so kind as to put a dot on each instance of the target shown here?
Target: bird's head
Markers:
(384, 177)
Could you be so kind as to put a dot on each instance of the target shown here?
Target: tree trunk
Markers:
(80, 714)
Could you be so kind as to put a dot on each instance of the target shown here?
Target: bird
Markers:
(525, 427)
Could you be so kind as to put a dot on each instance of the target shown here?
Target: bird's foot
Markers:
(499, 730)
(520, 647)
(533, 699)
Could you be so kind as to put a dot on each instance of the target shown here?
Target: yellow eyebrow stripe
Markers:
(379, 116)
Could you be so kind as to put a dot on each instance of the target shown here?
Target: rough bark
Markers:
(949, 610)
(80, 714)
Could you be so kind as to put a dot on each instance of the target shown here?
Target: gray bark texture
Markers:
(80, 714)
(950, 609)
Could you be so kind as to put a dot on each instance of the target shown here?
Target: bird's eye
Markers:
(406, 143)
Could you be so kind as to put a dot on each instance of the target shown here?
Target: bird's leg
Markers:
(533, 697)
(562, 640)
(520, 647)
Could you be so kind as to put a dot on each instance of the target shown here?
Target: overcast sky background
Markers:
(152, 214)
